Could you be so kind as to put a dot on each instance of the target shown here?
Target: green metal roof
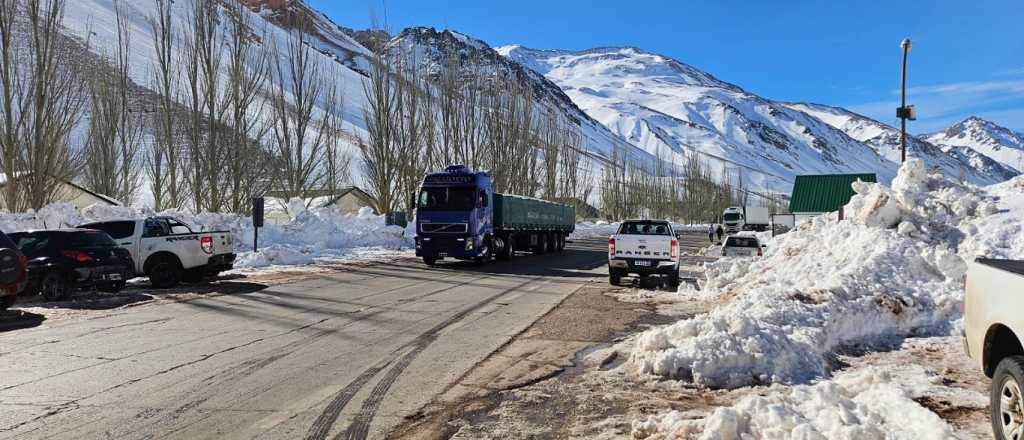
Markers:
(824, 193)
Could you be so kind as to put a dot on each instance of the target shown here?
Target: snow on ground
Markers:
(893, 270)
(865, 404)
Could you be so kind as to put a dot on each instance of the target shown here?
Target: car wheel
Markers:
(54, 286)
(429, 261)
(1007, 407)
(7, 301)
(165, 273)
(673, 280)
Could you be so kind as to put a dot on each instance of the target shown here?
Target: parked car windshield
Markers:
(447, 199)
(116, 230)
(89, 239)
(644, 228)
(744, 242)
(732, 217)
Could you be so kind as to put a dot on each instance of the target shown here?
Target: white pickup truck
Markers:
(993, 327)
(168, 251)
(645, 248)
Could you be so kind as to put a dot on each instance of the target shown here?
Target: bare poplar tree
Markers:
(379, 150)
(50, 108)
(246, 162)
(299, 140)
(114, 140)
(164, 159)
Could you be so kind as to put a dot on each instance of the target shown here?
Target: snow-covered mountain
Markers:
(985, 137)
(667, 107)
(953, 161)
(433, 48)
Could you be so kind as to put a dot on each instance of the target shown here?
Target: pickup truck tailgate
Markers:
(223, 242)
(654, 247)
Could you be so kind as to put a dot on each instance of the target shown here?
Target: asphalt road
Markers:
(343, 356)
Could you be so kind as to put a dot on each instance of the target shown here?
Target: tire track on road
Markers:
(360, 426)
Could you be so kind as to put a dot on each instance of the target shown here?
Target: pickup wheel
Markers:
(673, 280)
(1006, 405)
(614, 277)
(165, 272)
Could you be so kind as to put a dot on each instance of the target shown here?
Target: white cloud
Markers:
(943, 104)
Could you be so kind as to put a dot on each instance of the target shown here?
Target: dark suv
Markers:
(12, 272)
(60, 261)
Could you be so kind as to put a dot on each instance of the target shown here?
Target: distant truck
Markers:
(992, 330)
(459, 216)
(168, 251)
(746, 218)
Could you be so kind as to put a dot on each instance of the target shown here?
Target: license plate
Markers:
(112, 277)
(644, 263)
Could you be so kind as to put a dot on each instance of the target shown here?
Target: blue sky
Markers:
(968, 57)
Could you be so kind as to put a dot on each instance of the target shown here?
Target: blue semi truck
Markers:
(458, 216)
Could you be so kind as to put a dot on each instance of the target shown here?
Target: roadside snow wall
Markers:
(890, 271)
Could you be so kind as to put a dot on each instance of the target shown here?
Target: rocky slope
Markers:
(985, 137)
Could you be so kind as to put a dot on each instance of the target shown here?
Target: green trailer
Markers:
(525, 214)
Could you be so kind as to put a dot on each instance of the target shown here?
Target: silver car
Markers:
(742, 246)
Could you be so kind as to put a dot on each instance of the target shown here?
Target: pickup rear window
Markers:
(116, 230)
(744, 242)
(645, 228)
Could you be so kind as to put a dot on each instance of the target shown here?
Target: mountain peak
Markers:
(986, 137)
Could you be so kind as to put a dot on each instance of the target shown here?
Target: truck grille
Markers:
(445, 228)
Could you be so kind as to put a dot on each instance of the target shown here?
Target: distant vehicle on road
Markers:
(13, 272)
(746, 218)
(742, 246)
(459, 216)
(645, 248)
(63, 260)
(993, 326)
(168, 251)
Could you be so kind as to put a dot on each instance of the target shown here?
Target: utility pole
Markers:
(904, 112)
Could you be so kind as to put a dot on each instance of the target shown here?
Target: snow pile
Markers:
(1000, 235)
(598, 229)
(892, 271)
(312, 235)
(867, 404)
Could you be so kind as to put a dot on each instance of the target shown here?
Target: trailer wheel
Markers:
(542, 244)
(561, 242)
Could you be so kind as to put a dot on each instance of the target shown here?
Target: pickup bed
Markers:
(645, 248)
(993, 326)
(168, 251)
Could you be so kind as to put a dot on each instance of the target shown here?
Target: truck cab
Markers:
(733, 219)
(454, 216)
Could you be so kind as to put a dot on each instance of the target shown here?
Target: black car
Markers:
(60, 261)
(12, 272)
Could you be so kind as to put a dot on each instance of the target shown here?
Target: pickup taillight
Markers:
(611, 247)
(675, 249)
(207, 244)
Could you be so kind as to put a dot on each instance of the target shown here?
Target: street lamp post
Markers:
(904, 112)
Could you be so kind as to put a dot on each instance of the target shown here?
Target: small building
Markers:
(350, 200)
(815, 195)
(68, 192)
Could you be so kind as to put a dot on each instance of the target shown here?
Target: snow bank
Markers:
(312, 235)
(891, 271)
(863, 405)
(599, 229)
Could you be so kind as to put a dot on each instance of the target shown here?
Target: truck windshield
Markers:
(447, 199)
(644, 228)
(732, 217)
